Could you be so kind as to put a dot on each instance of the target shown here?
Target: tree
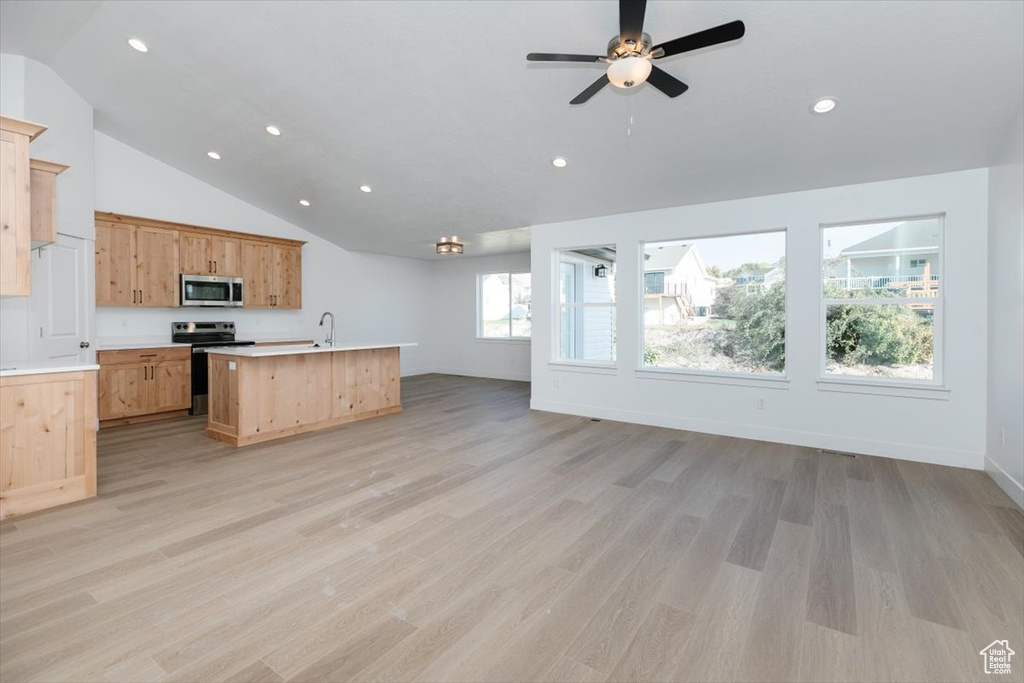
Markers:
(714, 271)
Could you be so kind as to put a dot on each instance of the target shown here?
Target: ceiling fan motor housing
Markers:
(619, 49)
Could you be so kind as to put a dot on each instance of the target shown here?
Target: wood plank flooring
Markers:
(471, 539)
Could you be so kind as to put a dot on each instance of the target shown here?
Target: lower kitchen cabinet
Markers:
(48, 440)
(144, 384)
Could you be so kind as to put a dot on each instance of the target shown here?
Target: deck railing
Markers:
(884, 282)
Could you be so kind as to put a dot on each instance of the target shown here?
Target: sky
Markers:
(768, 247)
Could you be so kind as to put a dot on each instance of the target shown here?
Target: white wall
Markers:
(1005, 461)
(34, 92)
(375, 298)
(451, 321)
(949, 430)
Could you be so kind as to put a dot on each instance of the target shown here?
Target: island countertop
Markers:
(293, 350)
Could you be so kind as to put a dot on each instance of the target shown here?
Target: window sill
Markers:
(883, 388)
(503, 340)
(591, 368)
(765, 382)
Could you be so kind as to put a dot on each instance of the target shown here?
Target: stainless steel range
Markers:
(203, 336)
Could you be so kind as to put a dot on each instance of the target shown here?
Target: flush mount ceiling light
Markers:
(138, 45)
(629, 72)
(213, 155)
(824, 105)
(273, 130)
(366, 188)
(304, 202)
(559, 162)
(449, 246)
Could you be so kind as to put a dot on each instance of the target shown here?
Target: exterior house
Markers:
(587, 277)
(906, 253)
(677, 284)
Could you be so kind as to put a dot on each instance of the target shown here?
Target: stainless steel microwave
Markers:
(211, 290)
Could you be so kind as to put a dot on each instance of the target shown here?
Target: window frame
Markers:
(752, 379)
(555, 359)
(480, 306)
(895, 386)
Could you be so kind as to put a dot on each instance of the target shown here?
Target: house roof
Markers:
(665, 258)
(915, 234)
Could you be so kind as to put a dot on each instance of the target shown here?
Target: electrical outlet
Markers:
(558, 383)
(762, 404)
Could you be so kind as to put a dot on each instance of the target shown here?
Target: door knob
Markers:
(83, 345)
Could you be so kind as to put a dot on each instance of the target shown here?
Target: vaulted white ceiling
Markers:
(434, 105)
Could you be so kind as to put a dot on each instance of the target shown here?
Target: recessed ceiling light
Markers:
(213, 155)
(304, 202)
(559, 162)
(366, 188)
(273, 130)
(824, 105)
(138, 45)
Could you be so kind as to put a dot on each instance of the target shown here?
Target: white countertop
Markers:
(119, 343)
(43, 367)
(261, 351)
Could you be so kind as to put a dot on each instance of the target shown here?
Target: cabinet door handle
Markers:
(140, 296)
(145, 372)
(215, 266)
(135, 294)
(209, 266)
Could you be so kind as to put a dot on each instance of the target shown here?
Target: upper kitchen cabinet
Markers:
(136, 265)
(156, 266)
(201, 254)
(287, 276)
(43, 181)
(115, 265)
(256, 274)
(16, 206)
(139, 262)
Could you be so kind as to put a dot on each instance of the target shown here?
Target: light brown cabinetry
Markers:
(258, 398)
(136, 265)
(201, 254)
(144, 384)
(48, 440)
(139, 261)
(43, 181)
(16, 206)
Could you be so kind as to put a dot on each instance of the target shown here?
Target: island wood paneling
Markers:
(254, 399)
(47, 440)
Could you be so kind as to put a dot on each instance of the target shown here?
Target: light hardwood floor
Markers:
(470, 539)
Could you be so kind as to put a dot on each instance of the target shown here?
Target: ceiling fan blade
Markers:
(666, 83)
(631, 19)
(734, 30)
(590, 91)
(554, 57)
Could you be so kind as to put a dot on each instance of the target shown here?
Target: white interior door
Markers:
(61, 304)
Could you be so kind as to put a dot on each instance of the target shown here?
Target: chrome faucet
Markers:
(330, 337)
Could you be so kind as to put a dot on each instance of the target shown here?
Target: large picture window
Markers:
(586, 304)
(716, 304)
(504, 310)
(881, 295)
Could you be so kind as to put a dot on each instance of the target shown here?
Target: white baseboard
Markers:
(1013, 488)
(899, 451)
(483, 374)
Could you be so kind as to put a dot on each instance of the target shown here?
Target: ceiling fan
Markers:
(630, 53)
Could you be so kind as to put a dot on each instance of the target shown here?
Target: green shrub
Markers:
(878, 335)
(651, 356)
(759, 334)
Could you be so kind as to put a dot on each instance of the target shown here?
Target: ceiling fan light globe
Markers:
(629, 72)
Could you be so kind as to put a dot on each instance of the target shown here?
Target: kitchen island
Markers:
(259, 393)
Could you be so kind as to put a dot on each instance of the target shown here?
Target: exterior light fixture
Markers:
(600, 271)
(449, 246)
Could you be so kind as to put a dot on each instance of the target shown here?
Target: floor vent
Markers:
(825, 451)
(594, 419)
